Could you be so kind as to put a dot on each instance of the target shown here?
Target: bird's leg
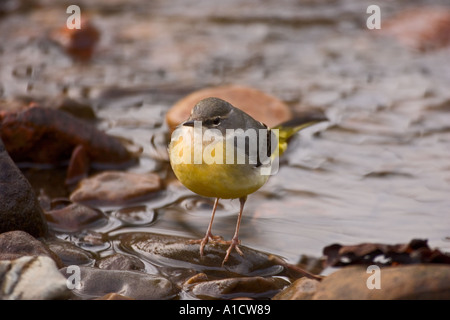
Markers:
(208, 234)
(234, 243)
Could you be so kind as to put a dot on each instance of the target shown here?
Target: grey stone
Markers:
(95, 283)
(31, 278)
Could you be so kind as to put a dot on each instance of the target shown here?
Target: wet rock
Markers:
(421, 281)
(421, 28)
(177, 252)
(32, 278)
(81, 43)
(69, 253)
(16, 244)
(300, 289)
(19, 208)
(97, 282)
(49, 136)
(302, 269)
(259, 105)
(416, 251)
(115, 187)
(119, 261)
(74, 217)
(136, 215)
(114, 296)
(253, 287)
(77, 108)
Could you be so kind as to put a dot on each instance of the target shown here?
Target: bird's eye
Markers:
(216, 121)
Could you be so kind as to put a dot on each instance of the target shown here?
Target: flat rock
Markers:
(114, 296)
(300, 289)
(421, 28)
(19, 208)
(177, 252)
(263, 107)
(97, 283)
(74, 217)
(120, 261)
(420, 281)
(69, 253)
(252, 287)
(115, 187)
(31, 278)
(16, 244)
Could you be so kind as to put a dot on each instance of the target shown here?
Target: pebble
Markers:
(19, 208)
(74, 217)
(177, 252)
(69, 253)
(300, 289)
(262, 106)
(16, 244)
(116, 187)
(31, 278)
(114, 296)
(421, 28)
(230, 288)
(96, 283)
(119, 261)
(419, 281)
(81, 43)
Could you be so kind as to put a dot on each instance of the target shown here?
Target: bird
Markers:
(222, 152)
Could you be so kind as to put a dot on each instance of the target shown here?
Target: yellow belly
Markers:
(219, 180)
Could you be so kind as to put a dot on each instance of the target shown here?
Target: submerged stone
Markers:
(419, 281)
(74, 217)
(113, 187)
(16, 244)
(177, 252)
(253, 287)
(95, 283)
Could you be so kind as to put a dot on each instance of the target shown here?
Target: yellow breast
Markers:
(203, 168)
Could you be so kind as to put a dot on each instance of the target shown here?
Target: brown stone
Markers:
(69, 253)
(115, 187)
(114, 296)
(421, 28)
(119, 261)
(263, 107)
(80, 44)
(16, 244)
(19, 209)
(73, 217)
(301, 289)
(420, 281)
(253, 287)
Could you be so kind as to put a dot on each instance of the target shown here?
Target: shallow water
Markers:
(378, 171)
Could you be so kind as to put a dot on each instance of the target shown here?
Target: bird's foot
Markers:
(208, 237)
(234, 244)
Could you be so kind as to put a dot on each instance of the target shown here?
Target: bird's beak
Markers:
(188, 123)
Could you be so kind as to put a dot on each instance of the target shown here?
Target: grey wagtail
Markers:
(222, 152)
